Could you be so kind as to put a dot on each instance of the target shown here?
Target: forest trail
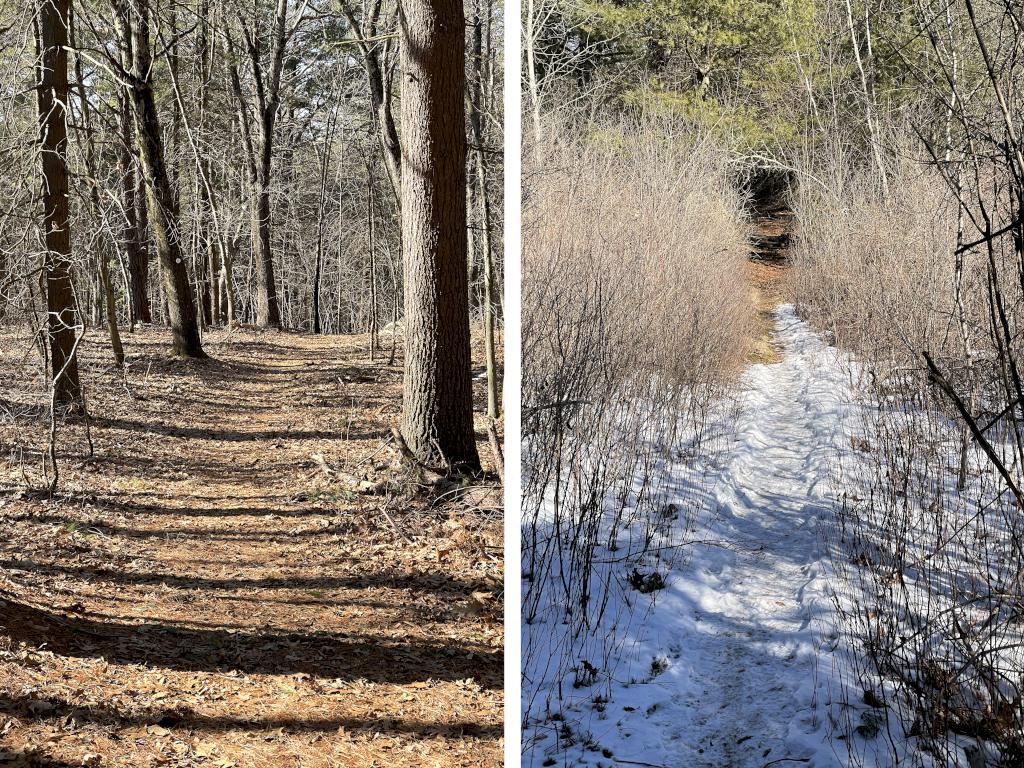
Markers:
(760, 603)
(207, 589)
(747, 619)
(767, 268)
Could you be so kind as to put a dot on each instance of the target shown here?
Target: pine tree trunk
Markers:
(62, 316)
(437, 405)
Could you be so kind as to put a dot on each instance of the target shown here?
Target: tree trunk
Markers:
(384, 121)
(108, 244)
(437, 404)
(530, 40)
(136, 252)
(371, 237)
(375, 61)
(493, 399)
(260, 160)
(62, 317)
(161, 200)
(480, 165)
(268, 310)
(228, 253)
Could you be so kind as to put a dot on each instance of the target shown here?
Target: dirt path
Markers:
(205, 592)
(767, 271)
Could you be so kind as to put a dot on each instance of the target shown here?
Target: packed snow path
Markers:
(746, 623)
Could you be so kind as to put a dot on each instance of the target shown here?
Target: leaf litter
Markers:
(239, 574)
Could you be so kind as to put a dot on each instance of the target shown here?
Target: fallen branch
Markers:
(972, 425)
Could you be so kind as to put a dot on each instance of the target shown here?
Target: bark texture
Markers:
(437, 404)
(62, 316)
(162, 202)
(133, 196)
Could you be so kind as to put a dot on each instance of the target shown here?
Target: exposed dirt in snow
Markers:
(767, 272)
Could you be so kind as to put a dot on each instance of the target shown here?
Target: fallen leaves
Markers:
(243, 603)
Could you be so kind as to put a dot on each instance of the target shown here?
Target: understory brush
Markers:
(636, 311)
(927, 544)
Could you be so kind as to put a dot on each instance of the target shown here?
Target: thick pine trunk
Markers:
(437, 405)
(62, 317)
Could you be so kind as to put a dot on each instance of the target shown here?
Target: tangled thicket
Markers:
(635, 311)
(913, 258)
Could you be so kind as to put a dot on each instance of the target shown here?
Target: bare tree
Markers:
(136, 220)
(62, 313)
(379, 62)
(267, 87)
(132, 21)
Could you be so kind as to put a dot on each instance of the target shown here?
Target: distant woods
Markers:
(204, 163)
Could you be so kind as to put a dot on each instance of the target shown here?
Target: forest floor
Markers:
(223, 580)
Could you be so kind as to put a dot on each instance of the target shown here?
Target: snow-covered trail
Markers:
(746, 623)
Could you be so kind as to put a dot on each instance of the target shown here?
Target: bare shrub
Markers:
(635, 313)
(867, 266)
(927, 544)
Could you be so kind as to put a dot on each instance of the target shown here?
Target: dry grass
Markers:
(636, 314)
(926, 535)
(208, 587)
(637, 239)
(874, 270)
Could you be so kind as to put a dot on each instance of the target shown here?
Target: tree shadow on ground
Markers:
(273, 505)
(421, 582)
(54, 708)
(330, 655)
(19, 759)
(229, 436)
(339, 526)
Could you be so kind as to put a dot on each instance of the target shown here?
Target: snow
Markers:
(734, 663)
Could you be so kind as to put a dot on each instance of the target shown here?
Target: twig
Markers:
(947, 388)
(394, 525)
(499, 456)
(430, 473)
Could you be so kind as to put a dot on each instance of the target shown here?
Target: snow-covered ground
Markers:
(820, 569)
(731, 664)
